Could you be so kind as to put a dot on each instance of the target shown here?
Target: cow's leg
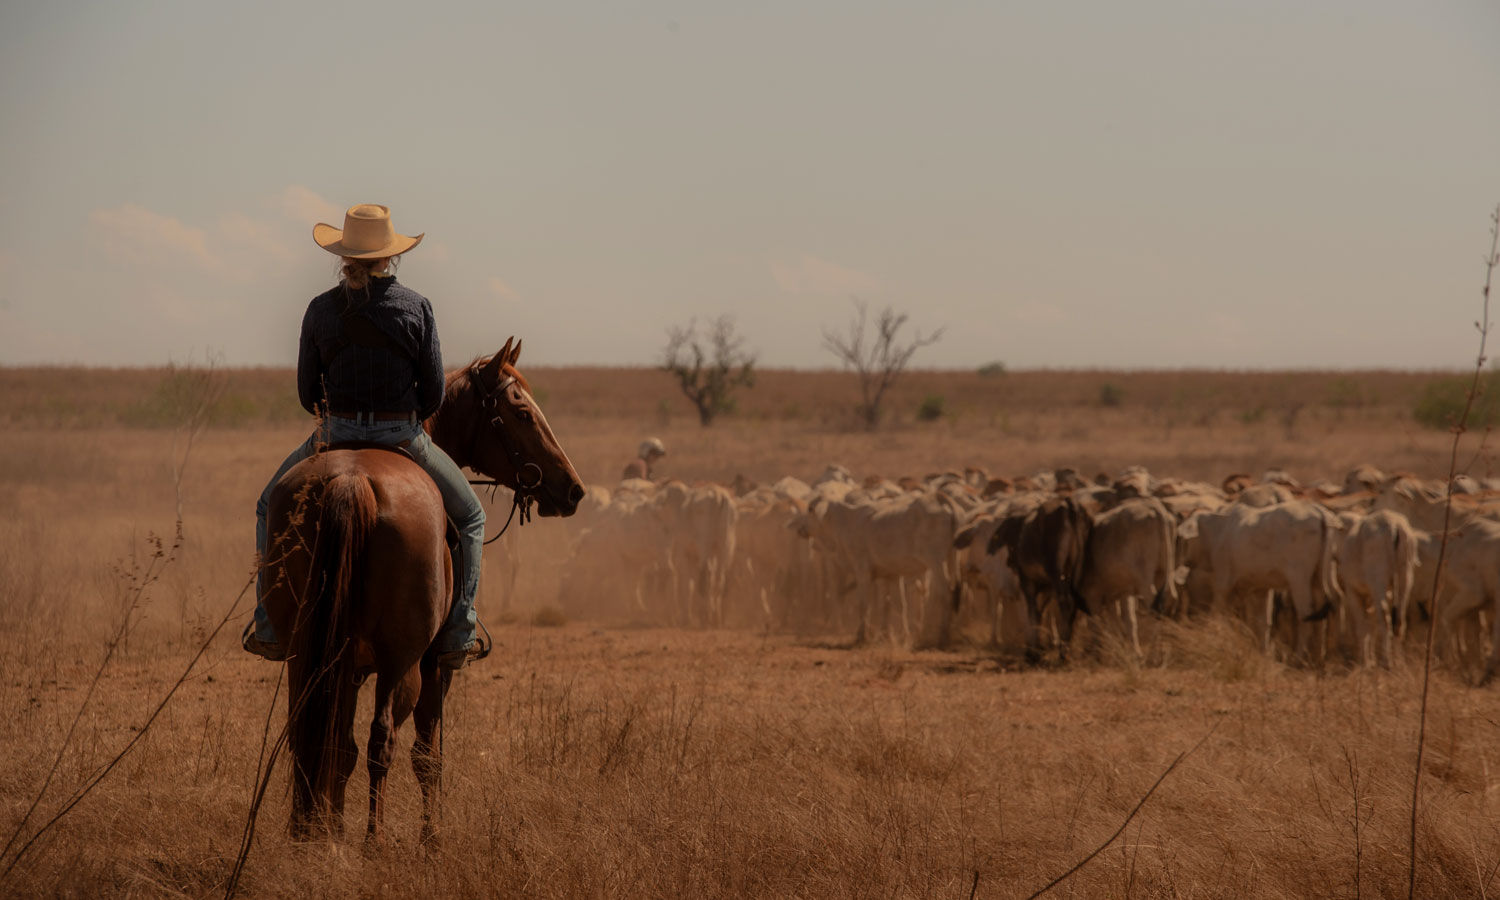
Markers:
(1301, 609)
(1067, 615)
(997, 609)
(1131, 603)
(864, 586)
(1354, 611)
(1033, 639)
(938, 602)
(1387, 628)
(1457, 608)
(1267, 622)
(1492, 662)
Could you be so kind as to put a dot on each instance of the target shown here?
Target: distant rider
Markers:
(651, 450)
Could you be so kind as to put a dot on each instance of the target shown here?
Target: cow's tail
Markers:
(320, 640)
(1166, 596)
(1327, 581)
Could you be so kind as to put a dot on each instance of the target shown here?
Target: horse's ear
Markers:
(515, 354)
(491, 370)
(498, 361)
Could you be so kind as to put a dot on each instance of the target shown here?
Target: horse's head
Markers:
(498, 429)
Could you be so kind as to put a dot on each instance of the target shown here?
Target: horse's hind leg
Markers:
(426, 751)
(394, 699)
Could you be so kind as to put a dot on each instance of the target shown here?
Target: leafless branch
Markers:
(1121, 830)
(877, 359)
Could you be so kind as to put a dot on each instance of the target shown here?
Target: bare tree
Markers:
(709, 366)
(879, 358)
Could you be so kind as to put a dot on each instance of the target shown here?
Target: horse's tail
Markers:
(323, 714)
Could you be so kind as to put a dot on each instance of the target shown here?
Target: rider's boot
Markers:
(457, 641)
(260, 639)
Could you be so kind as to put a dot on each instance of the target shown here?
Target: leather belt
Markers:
(367, 417)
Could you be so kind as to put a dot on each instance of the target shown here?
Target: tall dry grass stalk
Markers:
(1491, 260)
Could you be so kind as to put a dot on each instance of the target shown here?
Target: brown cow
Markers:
(1046, 548)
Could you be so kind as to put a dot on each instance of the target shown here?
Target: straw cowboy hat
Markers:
(367, 234)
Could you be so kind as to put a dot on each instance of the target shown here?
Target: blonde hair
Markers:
(356, 273)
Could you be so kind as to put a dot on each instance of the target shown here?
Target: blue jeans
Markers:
(459, 500)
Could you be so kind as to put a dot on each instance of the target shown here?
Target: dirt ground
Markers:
(616, 760)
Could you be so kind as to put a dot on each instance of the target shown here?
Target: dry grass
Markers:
(591, 760)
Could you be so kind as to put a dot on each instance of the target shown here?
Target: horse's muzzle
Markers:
(562, 503)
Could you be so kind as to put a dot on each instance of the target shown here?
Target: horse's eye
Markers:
(523, 414)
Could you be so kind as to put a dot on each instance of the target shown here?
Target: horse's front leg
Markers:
(395, 696)
(426, 751)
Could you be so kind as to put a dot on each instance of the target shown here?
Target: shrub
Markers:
(931, 408)
(709, 366)
(1111, 394)
(992, 369)
(1442, 402)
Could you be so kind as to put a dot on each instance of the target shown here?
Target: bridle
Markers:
(524, 494)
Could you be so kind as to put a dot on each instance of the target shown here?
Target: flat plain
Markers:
(617, 758)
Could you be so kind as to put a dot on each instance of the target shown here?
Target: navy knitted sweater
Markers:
(370, 351)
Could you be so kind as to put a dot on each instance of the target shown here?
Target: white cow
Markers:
(1288, 547)
(1130, 557)
(1470, 583)
(697, 527)
(986, 576)
(909, 537)
(772, 569)
(1377, 559)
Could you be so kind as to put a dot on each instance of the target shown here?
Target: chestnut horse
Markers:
(366, 581)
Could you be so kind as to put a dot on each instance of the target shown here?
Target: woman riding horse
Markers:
(359, 576)
(370, 365)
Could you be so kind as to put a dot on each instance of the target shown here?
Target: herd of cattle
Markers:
(1313, 567)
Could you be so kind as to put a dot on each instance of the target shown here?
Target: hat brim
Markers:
(332, 240)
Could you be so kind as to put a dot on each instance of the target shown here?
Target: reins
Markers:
(522, 493)
(518, 501)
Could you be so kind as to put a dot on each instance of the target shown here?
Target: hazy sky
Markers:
(1145, 184)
